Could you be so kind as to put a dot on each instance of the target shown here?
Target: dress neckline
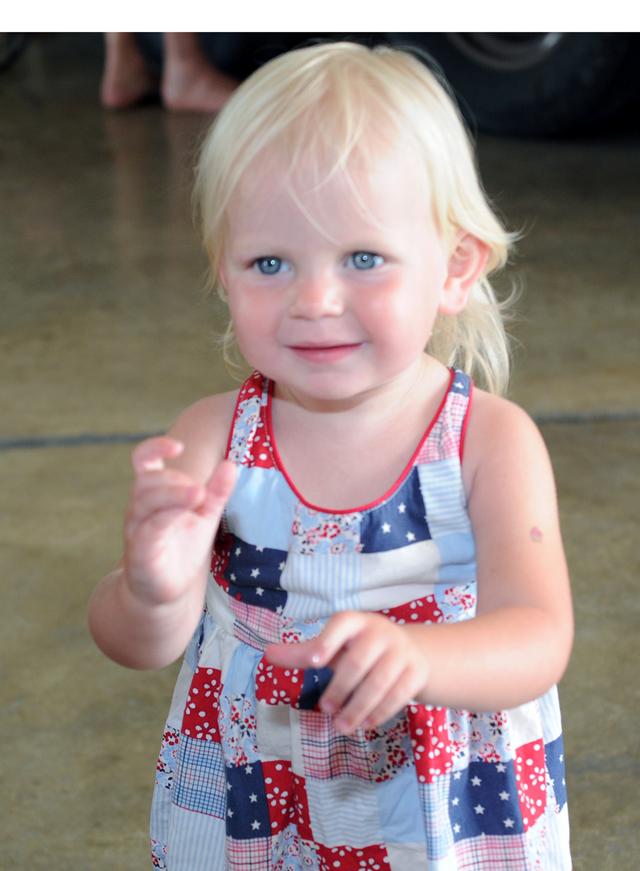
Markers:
(369, 505)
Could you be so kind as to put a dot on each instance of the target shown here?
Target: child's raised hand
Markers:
(378, 668)
(170, 522)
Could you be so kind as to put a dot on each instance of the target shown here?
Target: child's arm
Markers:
(143, 613)
(518, 645)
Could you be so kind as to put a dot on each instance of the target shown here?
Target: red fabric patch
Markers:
(259, 447)
(302, 817)
(200, 719)
(353, 858)
(251, 387)
(220, 558)
(279, 788)
(278, 686)
(286, 798)
(531, 777)
(423, 610)
(430, 740)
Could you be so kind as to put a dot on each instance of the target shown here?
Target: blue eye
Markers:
(365, 260)
(269, 265)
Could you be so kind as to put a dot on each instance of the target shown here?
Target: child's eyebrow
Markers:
(246, 241)
(247, 246)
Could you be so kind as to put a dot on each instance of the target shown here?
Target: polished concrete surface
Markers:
(104, 331)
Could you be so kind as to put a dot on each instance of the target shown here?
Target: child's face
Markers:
(334, 298)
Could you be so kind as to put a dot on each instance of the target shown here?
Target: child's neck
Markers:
(358, 450)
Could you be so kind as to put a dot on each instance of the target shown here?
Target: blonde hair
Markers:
(324, 100)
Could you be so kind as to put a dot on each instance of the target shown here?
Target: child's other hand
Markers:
(170, 522)
(378, 668)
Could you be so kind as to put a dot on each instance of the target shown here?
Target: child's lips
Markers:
(325, 353)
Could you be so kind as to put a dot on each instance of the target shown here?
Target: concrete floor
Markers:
(104, 331)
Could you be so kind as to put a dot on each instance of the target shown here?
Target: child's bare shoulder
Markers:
(203, 428)
(491, 411)
(500, 433)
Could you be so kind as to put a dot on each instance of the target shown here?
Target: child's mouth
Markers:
(324, 353)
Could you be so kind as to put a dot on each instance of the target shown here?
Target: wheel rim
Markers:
(506, 51)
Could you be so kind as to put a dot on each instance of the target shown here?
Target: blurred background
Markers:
(105, 336)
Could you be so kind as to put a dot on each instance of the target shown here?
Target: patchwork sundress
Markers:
(252, 776)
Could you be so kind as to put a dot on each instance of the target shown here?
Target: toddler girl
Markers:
(358, 549)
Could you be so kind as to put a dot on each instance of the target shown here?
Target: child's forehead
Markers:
(365, 184)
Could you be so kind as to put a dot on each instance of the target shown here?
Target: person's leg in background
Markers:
(189, 82)
(126, 78)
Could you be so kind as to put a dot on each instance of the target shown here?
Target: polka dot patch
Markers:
(200, 719)
(278, 686)
(423, 610)
(371, 858)
(431, 742)
(531, 778)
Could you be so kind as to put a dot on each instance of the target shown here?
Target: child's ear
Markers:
(466, 264)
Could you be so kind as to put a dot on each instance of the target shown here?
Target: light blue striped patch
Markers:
(457, 555)
(240, 674)
(444, 497)
(196, 841)
(446, 510)
(260, 510)
(398, 800)
(344, 810)
(550, 715)
(320, 584)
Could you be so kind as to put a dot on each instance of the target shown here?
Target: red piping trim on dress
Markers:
(400, 480)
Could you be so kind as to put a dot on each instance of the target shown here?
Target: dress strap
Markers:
(249, 443)
(446, 438)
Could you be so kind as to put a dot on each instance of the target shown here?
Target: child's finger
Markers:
(399, 695)
(338, 631)
(149, 455)
(355, 662)
(297, 655)
(218, 488)
(318, 651)
(381, 688)
(156, 499)
(404, 692)
(159, 480)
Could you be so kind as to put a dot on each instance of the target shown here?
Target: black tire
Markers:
(536, 84)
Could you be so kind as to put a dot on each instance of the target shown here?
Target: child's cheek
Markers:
(248, 309)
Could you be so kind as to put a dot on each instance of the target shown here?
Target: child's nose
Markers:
(316, 297)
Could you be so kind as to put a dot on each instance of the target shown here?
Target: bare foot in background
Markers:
(189, 82)
(126, 78)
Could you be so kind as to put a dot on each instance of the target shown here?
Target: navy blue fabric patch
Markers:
(254, 575)
(554, 753)
(247, 809)
(461, 383)
(483, 799)
(314, 684)
(398, 522)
